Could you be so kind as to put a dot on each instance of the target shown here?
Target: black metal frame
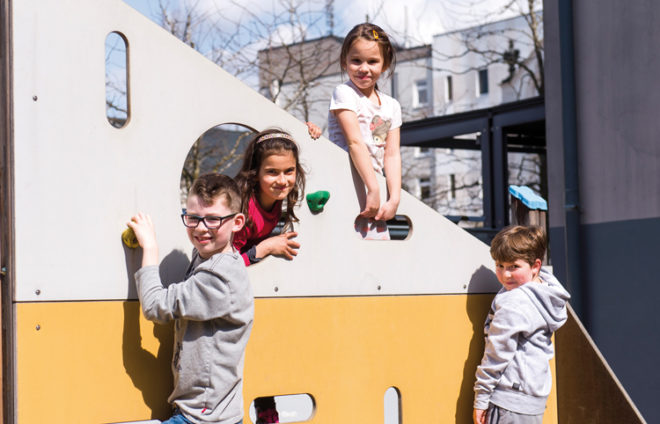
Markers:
(7, 258)
(510, 127)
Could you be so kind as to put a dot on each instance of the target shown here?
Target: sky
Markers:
(409, 23)
(414, 21)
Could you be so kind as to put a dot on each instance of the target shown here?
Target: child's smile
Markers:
(277, 177)
(207, 241)
(364, 64)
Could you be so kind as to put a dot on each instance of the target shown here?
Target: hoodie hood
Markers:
(550, 299)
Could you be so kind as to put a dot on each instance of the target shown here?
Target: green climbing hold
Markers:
(317, 200)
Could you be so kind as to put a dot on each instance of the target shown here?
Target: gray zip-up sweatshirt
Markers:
(515, 372)
(213, 309)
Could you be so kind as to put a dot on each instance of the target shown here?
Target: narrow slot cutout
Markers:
(392, 406)
(117, 95)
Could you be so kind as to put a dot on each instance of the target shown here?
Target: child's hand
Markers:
(313, 129)
(387, 211)
(372, 204)
(479, 416)
(281, 245)
(144, 230)
(146, 236)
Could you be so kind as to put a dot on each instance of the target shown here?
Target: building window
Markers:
(422, 151)
(483, 82)
(395, 85)
(421, 93)
(452, 187)
(449, 88)
(425, 189)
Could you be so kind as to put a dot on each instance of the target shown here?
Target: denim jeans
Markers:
(178, 418)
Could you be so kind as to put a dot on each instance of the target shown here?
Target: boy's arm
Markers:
(392, 162)
(206, 295)
(501, 345)
(361, 158)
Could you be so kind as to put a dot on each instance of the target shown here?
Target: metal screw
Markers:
(37, 292)
(465, 286)
(379, 287)
(276, 289)
(38, 327)
(34, 98)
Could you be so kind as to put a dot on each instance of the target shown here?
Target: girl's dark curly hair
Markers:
(260, 147)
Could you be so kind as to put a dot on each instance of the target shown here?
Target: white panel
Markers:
(78, 180)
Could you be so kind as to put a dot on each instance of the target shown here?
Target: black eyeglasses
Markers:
(211, 222)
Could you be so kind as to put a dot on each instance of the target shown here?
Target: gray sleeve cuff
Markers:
(252, 255)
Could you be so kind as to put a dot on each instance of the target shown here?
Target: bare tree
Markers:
(285, 46)
(493, 41)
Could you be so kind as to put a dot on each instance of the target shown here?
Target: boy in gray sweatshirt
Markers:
(213, 307)
(514, 379)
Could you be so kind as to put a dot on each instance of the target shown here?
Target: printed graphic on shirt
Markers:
(379, 128)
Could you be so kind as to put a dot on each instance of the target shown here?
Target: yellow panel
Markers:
(347, 351)
(90, 362)
(99, 362)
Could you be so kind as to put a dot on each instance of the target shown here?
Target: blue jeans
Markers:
(178, 418)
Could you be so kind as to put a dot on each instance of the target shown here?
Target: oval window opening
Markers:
(219, 149)
(397, 228)
(117, 105)
(288, 408)
(392, 406)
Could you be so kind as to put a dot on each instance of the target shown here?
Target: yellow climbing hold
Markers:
(129, 239)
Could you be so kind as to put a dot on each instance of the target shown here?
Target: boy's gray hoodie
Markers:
(515, 372)
(213, 309)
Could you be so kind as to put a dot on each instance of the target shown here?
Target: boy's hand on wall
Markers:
(144, 230)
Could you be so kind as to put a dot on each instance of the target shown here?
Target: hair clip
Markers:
(274, 135)
(373, 31)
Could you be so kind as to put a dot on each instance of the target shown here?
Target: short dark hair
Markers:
(519, 242)
(211, 186)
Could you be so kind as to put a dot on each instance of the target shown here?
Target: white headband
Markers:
(274, 135)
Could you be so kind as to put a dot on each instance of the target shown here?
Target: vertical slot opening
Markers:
(392, 406)
(117, 104)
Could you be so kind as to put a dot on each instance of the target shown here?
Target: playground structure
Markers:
(326, 325)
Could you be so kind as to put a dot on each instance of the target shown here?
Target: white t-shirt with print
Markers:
(375, 120)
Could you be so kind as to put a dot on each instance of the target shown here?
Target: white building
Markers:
(461, 71)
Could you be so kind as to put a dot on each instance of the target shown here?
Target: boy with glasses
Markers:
(213, 307)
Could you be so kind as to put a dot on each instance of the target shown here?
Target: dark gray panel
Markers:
(553, 112)
(617, 64)
(621, 264)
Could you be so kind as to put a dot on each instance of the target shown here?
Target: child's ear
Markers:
(238, 222)
(536, 266)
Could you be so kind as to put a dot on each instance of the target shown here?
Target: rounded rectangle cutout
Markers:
(397, 228)
(294, 408)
